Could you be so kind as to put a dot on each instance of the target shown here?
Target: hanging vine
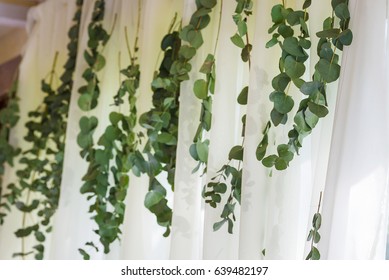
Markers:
(204, 89)
(161, 122)
(40, 180)
(9, 117)
(292, 68)
(214, 190)
(314, 236)
(110, 157)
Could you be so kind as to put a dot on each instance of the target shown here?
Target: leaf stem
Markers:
(218, 28)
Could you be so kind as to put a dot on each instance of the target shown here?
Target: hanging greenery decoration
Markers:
(9, 117)
(314, 235)
(161, 121)
(203, 90)
(110, 158)
(40, 180)
(327, 70)
(215, 189)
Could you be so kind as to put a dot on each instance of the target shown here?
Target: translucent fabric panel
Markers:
(355, 210)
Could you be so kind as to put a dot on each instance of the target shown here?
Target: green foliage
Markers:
(43, 162)
(203, 88)
(161, 123)
(314, 236)
(9, 117)
(107, 180)
(217, 187)
(98, 38)
(327, 70)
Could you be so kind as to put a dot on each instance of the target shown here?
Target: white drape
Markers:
(346, 156)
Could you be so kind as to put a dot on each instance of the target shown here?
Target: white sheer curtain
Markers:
(346, 156)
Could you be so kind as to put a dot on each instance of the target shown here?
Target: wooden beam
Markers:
(24, 3)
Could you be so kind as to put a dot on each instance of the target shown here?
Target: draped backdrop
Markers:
(346, 157)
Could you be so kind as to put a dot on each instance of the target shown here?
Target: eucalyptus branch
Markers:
(314, 235)
(40, 180)
(327, 70)
(9, 117)
(110, 157)
(203, 90)
(214, 190)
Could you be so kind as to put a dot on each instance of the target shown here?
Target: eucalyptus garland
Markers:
(161, 124)
(9, 117)
(217, 187)
(111, 158)
(40, 180)
(161, 121)
(314, 236)
(292, 68)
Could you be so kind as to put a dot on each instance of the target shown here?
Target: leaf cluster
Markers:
(314, 237)
(9, 117)
(110, 158)
(314, 104)
(41, 177)
(215, 189)
(161, 124)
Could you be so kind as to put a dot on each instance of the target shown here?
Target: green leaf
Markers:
(308, 88)
(307, 4)
(285, 31)
(261, 149)
(273, 41)
(284, 152)
(207, 66)
(242, 28)
(280, 82)
(317, 223)
(329, 72)
(315, 254)
(100, 63)
(236, 153)
(342, 11)
(202, 150)
(153, 198)
(193, 152)
(293, 18)
(329, 33)
(85, 102)
(166, 138)
(187, 52)
(40, 236)
(24, 208)
(269, 161)
(276, 14)
(291, 46)
(237, 41)
(200, 89)
(195, 39)
(115, 118)
(245, 54)
(208, 3)
(84, 254)
(277, 117)
(26, 231)
(220, 188)
(300, 122)
(218, 225)
(280, 164)
(319, 110)
(316, 238)
(311, 119)
(346, 37)
(293, 68)
(282, 103)
(243, 95)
